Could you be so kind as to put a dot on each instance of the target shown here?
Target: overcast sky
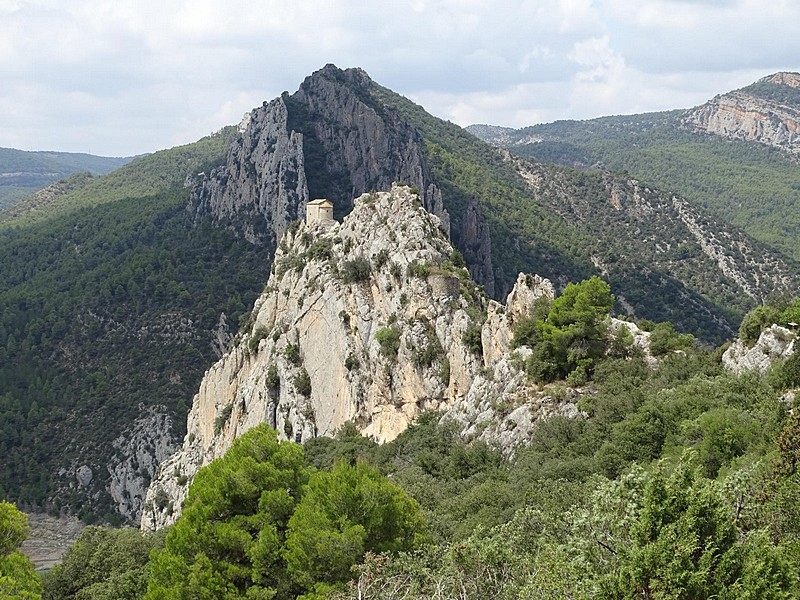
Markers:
(125, 77)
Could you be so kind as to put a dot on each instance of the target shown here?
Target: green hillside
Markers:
(107, 299)
(145, 176)
(566, 227)
(22, 173)
(753, 187)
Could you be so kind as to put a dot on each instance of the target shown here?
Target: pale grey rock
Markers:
(743, 116)
(641, 338)
(50, 538)
(307, 309)
(496, 333)
(774, 344)
(84, 475)
(221, 336)
(262, 186)
(139, 451)
(503, 407)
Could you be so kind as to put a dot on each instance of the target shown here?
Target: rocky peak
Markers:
(330, 139)
(786, 78)
(366, 321)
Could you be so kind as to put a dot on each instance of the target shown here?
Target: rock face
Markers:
(361, 321)
(329, 139)
(496, 331)
(775, 343)
(263, 182)
(140, 450)
(759, 113)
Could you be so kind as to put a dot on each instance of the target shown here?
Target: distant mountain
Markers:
(22, 173)
(735, 155)
(117, 292)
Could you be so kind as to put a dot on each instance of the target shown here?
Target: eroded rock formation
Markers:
(362, 321)
(746, 115)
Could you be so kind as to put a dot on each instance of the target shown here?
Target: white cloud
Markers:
(125, 76)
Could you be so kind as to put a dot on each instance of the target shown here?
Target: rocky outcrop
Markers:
(473, 239)
(775, 343)
(749, 114)
(503, 407)
(362, 321)
(262, 185)
(329, 139)
(139, 451)
(496, 332)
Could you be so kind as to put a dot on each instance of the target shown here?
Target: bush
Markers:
(222, 419)
(351, 362)
(388, 339)
(786, 375)
(358, 269)
(381, 258)
(272, 380)
(664, 339)
(472, 338)
(320, 249)
(444, 371)
(417, 269)
(457, 259)
(756, 321)
(292, 354)
(302, 383)
(259, 334)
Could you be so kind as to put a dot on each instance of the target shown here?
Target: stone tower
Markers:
(319, 211)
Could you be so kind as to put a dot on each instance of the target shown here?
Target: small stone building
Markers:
(319, 211)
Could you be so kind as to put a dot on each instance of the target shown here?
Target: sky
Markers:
(125, 77)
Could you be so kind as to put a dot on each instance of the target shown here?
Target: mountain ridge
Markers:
(24, 172)
(751, 185)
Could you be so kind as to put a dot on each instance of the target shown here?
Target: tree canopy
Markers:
(18, 579)
(258, 523)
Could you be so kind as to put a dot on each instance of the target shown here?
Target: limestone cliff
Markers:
(138, 452)
(368, 321)
(767, 112)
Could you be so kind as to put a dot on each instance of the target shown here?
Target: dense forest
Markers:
(105, 310)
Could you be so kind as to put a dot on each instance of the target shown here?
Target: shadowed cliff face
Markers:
(330, 139)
